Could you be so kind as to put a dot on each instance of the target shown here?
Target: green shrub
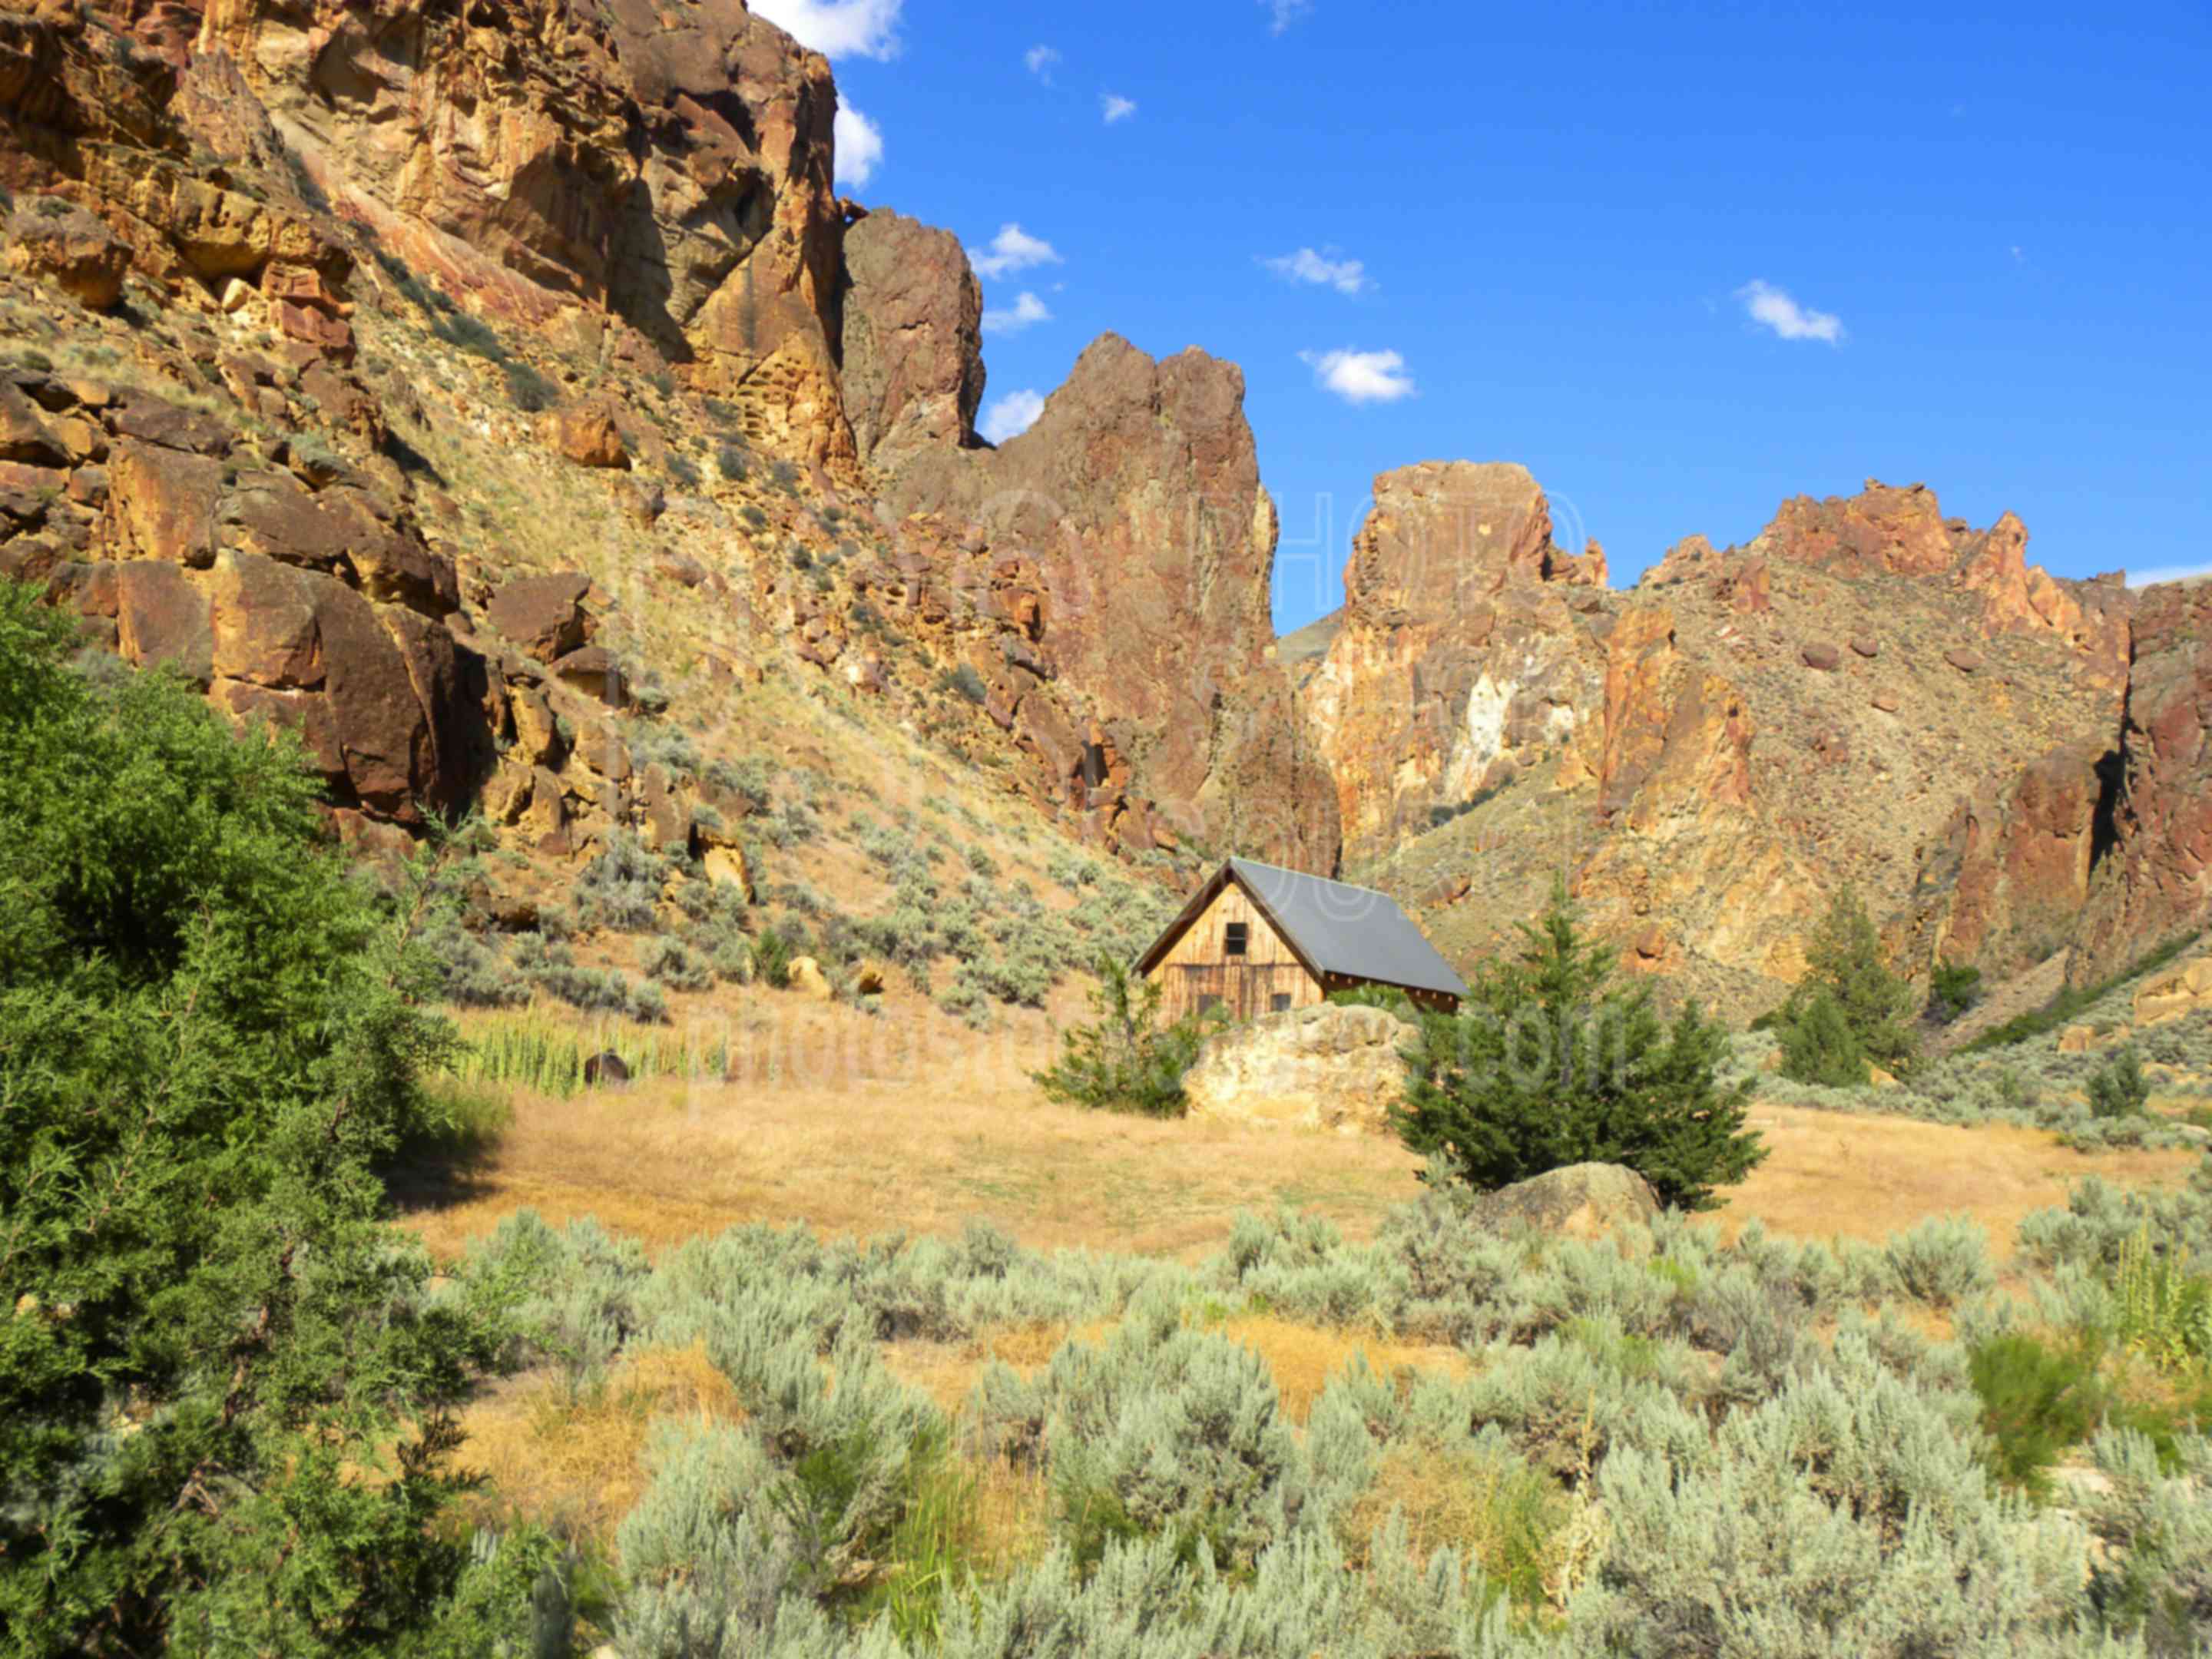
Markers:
(528, 389)
(2118, 1088)
(771, 959)
(2164, 1311)
(226, 1386)
(1125, 1060)
(677, 966)
(1942, 1260)
(2037, 1403)
(964, 681)
(620, 888)
(1819, 1046)
(1952, 990)
(1546, 1066)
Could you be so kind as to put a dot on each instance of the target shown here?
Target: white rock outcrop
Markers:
(1325, 1067)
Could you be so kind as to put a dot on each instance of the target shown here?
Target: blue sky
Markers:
(1978, 249)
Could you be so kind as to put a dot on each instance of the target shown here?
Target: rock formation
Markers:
(1324, 1068)
(913, 339)
(316, 606)
(2156, 880)
(1465, 640)
(1131, 519)
(1706, 755)
(696, 420)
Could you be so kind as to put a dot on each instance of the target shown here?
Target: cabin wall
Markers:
(1198, 967)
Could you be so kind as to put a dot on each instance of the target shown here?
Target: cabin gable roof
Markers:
(1331, 926)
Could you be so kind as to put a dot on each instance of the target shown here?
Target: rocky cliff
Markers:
(504, 400)
(403, 275)
(1867, 691)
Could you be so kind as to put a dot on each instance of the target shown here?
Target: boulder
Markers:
(1866, 647)
(71, 249)
(588, 436)
(1824, 658)
(605, 1069)
(1966, 662)
(543, 615)
(806, 975)
(1320, 1067)
(2186, 988)
(1581, 1200)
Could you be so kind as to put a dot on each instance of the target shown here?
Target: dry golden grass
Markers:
(1831, 1174)
(860, 1125)
(857, 1126)
(1497, 1512)
(574, 1459)
(1304, 1358)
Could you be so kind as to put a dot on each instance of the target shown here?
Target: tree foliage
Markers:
(1125, 1060)
(1549, 1063)
(1848, 982)
(2118, 1088)
(224, 1390)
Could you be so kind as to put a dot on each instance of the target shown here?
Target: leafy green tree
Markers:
(1818, 1046)
(1952, 990)
(1125, 1060)
(2119, 1087)
(1843, 961)
(1549, 1063)
(226, 1393)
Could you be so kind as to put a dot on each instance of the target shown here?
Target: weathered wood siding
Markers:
(1198, 965)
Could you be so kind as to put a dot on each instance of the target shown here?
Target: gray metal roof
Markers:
(1337, 927)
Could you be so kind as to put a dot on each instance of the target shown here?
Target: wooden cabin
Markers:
(1257, 938)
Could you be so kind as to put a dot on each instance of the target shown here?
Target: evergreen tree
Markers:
(2119, 1087)
(1125, 1060)
(1818, 1046)
(225, 1393)
(1548, 1064)
(1846, 978)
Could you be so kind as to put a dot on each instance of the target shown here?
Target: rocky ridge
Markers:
(486, 398)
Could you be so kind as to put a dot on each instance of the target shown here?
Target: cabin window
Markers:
(1280, 1003)
(1234, 938)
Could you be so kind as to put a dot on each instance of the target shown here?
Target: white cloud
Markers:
(838, 29)
(1013, 249)
(1027, 309)
(1040, 60)
(1345, 275)
(1771, 308)
(1281, 14)
(2169, 573)
(1011, 416)
(1361, 377)
(1116, 107)
(859, 143)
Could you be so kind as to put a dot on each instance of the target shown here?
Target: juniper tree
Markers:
(1844, 963)
(225, 1393)
(1550, 1063)
(1125, 1059)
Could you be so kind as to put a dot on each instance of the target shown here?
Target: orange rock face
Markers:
(2156, 880)
(1127, 540)
(1463, 648)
